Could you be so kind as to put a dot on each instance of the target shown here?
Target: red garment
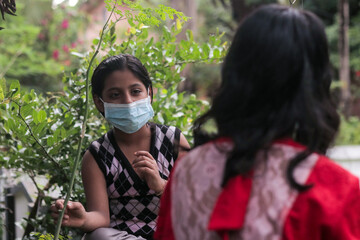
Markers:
(330, 210)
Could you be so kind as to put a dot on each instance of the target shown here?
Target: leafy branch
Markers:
(36, 140)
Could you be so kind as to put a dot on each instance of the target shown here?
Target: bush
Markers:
(349, 133)
(43, 132)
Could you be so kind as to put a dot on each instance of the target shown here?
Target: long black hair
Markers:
(119, 62)
(275, 84)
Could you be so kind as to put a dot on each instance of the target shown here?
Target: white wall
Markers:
(21, 211)
(348, 157)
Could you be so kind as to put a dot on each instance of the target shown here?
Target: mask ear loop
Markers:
(149, 96)
(292, 2)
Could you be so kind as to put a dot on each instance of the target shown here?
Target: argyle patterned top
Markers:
(133, 206)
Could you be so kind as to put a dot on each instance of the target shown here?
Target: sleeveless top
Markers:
(133, 206)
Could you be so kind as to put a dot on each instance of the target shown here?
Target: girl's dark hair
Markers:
(275, 84)
(119, 62)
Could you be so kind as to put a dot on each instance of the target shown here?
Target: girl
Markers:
(125, 171)
(264, 175)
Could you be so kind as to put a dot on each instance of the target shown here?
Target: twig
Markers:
(192, 61)
(13, 59)
(32, 177)
(36, 140)
(128, 42)
(37, 204)
(83, 129)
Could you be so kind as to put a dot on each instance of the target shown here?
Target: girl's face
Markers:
(121, 87)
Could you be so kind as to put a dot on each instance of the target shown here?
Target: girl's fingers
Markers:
(144, 153)
(142, 158)
(70, 205)
(59, 204)
(143, 164)
(144, 170)
(53, 208)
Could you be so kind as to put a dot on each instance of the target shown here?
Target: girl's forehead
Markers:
(121, 79)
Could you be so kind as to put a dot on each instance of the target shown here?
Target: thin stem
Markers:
(128, 42)
(193, 61)
(83, 129)
(36, 140)
(32, 177)
(13, 59)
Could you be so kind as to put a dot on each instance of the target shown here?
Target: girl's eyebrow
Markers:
(113, 88)
(135, 85)
(131, 86)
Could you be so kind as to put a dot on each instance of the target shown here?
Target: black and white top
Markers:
(133, 206)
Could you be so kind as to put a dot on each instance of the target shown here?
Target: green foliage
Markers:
(327, 9)
(47, 236)
(165, 58)
(354, 43)
(349, 131)
(42, 131)
(35, 47)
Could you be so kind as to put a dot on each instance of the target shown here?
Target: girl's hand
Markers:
(146, 167)
(74, 216)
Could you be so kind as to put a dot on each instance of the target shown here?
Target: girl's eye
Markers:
(136, 91)
(114, 95)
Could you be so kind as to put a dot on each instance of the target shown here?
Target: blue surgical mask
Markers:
(129, 118)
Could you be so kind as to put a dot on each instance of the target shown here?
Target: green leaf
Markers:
(50, 141)
(39, 129)
(166, 34)
(14, 89)
(190, 35)
(178, 24)
(26, 110)
(205, 50)
(112, 30)
(63, 133)
(15, 85)
(216, 53)
(96, 41)
(35, 116)
(41, 116)
(10, 124)
(27, 98)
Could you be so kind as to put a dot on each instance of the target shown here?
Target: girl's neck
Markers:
(127, 139)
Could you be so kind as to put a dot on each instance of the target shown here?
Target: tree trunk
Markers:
(344, 71)
(189, 8)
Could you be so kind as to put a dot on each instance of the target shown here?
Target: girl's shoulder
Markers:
(163, 127)
(104, 140)
(165, 133)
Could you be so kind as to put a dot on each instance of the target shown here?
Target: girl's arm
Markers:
(184, 146)
(97, 214)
